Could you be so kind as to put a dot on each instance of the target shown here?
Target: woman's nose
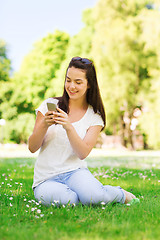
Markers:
(72, 85)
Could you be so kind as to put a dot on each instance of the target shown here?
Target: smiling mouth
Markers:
(72, 92)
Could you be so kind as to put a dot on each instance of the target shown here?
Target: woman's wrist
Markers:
(44, 124)
(68, 127)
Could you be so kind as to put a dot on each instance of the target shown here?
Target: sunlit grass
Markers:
(22, 217)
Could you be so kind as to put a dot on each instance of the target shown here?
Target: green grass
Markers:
(20, 220)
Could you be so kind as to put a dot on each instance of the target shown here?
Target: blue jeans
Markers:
(77, 186)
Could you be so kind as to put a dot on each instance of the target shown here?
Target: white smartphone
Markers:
(52, 107)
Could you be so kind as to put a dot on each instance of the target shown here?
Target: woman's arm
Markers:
(81, 147)
(41, 125)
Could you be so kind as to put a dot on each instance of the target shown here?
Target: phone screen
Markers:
(51, 107)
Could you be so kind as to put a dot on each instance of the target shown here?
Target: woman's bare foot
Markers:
(129, 196)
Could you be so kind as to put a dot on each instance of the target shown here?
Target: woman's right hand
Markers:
(41, 125)
(49, 118)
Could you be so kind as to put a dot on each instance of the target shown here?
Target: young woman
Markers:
(66, 137)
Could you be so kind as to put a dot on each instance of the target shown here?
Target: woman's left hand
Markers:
(61, 117)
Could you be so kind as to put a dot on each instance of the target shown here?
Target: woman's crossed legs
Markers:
(77, 186)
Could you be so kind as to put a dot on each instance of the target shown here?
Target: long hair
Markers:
(93, 93)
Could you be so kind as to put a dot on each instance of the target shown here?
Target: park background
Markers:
(123, 39)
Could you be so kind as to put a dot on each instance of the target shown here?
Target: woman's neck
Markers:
(78, 105)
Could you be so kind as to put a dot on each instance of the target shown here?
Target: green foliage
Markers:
(127, 61)
(4, 62)
(27, 89)
(79, 45)
(19, 129)
(4, 74)
(149, 121)
(39, 69)
(123, 40)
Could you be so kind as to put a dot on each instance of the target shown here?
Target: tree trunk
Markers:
(123, 132)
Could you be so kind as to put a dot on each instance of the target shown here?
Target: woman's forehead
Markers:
(76, 73)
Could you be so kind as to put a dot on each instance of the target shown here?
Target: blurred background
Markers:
(37, 40)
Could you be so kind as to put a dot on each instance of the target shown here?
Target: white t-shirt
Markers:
(56, 155)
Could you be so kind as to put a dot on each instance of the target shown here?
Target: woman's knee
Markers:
(68, 197)
(48, 195)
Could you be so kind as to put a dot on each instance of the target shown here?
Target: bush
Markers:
(19, 129)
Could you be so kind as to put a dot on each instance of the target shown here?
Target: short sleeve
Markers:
(43, 107)
(97, 120)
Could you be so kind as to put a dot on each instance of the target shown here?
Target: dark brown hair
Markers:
(93, 92)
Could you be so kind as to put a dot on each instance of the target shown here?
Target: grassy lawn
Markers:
(21, 217)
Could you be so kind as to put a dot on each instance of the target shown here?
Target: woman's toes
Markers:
(129, 196)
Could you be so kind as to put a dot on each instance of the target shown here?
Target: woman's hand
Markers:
(42, 123)
(49, 118)
(81, 147)
(61, 117)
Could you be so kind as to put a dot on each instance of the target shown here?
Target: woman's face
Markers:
(76, 83)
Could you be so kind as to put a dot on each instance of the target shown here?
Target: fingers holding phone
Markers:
(50, 116)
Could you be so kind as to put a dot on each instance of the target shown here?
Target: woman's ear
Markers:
(88, 86)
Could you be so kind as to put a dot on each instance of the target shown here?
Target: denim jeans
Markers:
(77, 186)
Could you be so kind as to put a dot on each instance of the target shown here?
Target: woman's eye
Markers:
(78, 82)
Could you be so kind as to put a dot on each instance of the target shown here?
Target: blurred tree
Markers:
(29, 85)
(38, 69)
(125, 60)
(5, 68)
(79, 45)
(18, 129)
(149, 121)
(5, 64)
(123, 39)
